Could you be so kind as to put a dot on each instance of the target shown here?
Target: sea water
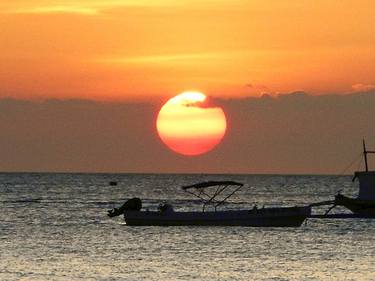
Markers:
(55, 227)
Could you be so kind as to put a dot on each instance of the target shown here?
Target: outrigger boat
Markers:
(364, 204)
(361, 207)
(166, 216)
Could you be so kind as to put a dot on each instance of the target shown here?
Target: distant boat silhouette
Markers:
(364, 204)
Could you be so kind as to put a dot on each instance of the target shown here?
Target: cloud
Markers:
(363, 87)
(85, 7)
(69, 9)
(184, 58)
(287, 133)
(257, 89)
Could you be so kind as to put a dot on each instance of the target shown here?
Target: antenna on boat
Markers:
(365, 154)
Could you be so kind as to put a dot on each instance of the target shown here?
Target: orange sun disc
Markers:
(189, 126)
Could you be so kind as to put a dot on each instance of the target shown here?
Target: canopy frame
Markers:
(208, 199)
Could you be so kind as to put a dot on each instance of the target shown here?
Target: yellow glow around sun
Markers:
(188, 126)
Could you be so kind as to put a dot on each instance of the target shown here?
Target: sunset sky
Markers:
(82, 83)
(126, 50)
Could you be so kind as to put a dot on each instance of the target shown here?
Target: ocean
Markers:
(55, 227)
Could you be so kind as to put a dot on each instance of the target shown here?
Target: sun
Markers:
(189, 126)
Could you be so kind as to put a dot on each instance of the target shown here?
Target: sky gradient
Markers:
(82, 82)
(126, 50)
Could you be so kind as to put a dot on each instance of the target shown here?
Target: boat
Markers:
(364, 204)
(364, 208)
(222, 191)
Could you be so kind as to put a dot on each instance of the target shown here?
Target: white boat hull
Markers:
(270, 217)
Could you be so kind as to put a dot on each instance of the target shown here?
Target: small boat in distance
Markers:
(364, 204)
(167, 216)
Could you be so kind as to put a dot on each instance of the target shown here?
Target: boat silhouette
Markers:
(361, 207)
(364, 204)
(215, 198)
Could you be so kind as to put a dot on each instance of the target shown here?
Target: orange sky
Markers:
(121, 50)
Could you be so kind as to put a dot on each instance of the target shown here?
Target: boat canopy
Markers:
(220, 187)
(211, 183)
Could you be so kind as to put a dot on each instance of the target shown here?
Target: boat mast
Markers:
(365, 154)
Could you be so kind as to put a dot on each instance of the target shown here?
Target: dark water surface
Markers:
(54, 227)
